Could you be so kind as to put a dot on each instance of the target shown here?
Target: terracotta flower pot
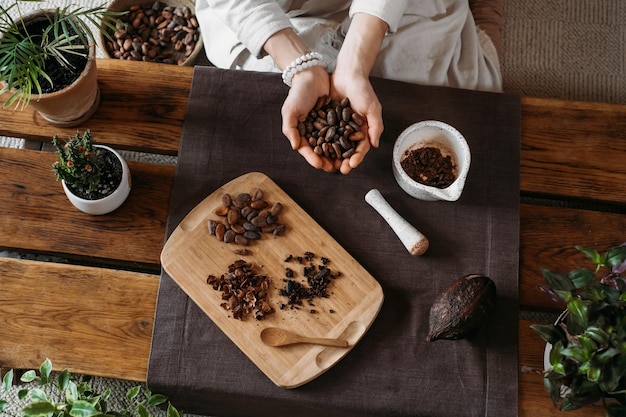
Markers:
(109, 203)
(75, 103)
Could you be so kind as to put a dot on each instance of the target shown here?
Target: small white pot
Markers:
(109, 203)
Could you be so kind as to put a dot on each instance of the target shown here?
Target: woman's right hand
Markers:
(306, 87)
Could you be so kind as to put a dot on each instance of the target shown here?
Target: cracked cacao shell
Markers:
(462, 308)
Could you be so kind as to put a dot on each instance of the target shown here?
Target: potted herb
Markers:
(67, 395)
(586, 351)
(95, 178)
(50, 54)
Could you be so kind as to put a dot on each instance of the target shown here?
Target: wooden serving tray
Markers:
(191, 254)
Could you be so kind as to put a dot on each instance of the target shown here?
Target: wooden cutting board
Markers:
(191, 254)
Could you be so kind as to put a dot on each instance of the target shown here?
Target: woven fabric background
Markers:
(568, 49)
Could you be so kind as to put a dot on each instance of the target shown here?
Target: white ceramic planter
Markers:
(449, 141)
(109, 203)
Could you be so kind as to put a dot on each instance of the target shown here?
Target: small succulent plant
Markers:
(79, 163)
(588, 354)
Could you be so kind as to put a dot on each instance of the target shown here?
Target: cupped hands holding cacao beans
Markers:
(330, 130)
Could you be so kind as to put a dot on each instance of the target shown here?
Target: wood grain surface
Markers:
(142, 110)
(35, 214)
(95, 321)
(191, 254)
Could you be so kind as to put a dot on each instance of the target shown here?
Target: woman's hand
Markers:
(351, 79)
(363, 101)
(306, 87)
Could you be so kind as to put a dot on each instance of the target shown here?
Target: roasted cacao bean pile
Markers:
(245, 217)
(332, 128)
(318, 277)
(155, 33)
(244, 291)
(429, 167)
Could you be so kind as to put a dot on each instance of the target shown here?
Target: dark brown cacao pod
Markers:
(462, 308)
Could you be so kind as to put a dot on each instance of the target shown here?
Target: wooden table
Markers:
(91, 310)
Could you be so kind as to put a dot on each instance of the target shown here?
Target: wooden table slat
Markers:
(90, 320)
(142, 108)
(35, 214)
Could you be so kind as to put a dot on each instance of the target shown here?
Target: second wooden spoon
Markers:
(273, 336)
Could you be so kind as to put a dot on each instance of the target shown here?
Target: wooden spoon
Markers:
(273, 336)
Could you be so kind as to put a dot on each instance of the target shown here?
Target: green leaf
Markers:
(609, 379)
(593, 373)
(576, 353)
(557, 281)
(581, 277)
(83, 408)
(598, 334)
(606, 355)
(38, 394)
(45, 369)
(592, 254)
(133, 392)
(7, 381)
(22, 394)
(37, 409)
(172, 412)
(63, 379)
(156, 399)
(615, 256)
(549, 332)
(577, 319)
(71, 392)
(142, 411)
(28, 376)
(567, 405)
(3, 405)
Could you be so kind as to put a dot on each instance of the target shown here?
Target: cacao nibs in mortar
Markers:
(332, 128)
(318, 278)
(155, 32)
(245, 217)
(243, 290)
(429, 167)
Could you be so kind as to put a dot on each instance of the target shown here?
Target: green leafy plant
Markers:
(25, 55)
(588, 353)
(79, 163)
(74, 397)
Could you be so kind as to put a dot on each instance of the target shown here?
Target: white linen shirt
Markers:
(431, 42)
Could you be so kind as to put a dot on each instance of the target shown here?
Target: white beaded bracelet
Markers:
(309, 60)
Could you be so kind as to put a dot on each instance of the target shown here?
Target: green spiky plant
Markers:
(70, 396)
(588, 354)
(79, 163)
(26, 56)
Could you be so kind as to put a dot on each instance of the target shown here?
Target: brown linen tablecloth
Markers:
(233, 126)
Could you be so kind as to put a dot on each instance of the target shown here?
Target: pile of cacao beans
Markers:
(155, 33)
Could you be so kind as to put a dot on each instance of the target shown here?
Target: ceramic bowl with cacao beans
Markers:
(163, 31)
(431, 160)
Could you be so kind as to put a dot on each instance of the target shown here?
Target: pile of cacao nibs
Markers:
(318, 277)
(429, 166)
(245, 217)
(332, 128)
(244, 291)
